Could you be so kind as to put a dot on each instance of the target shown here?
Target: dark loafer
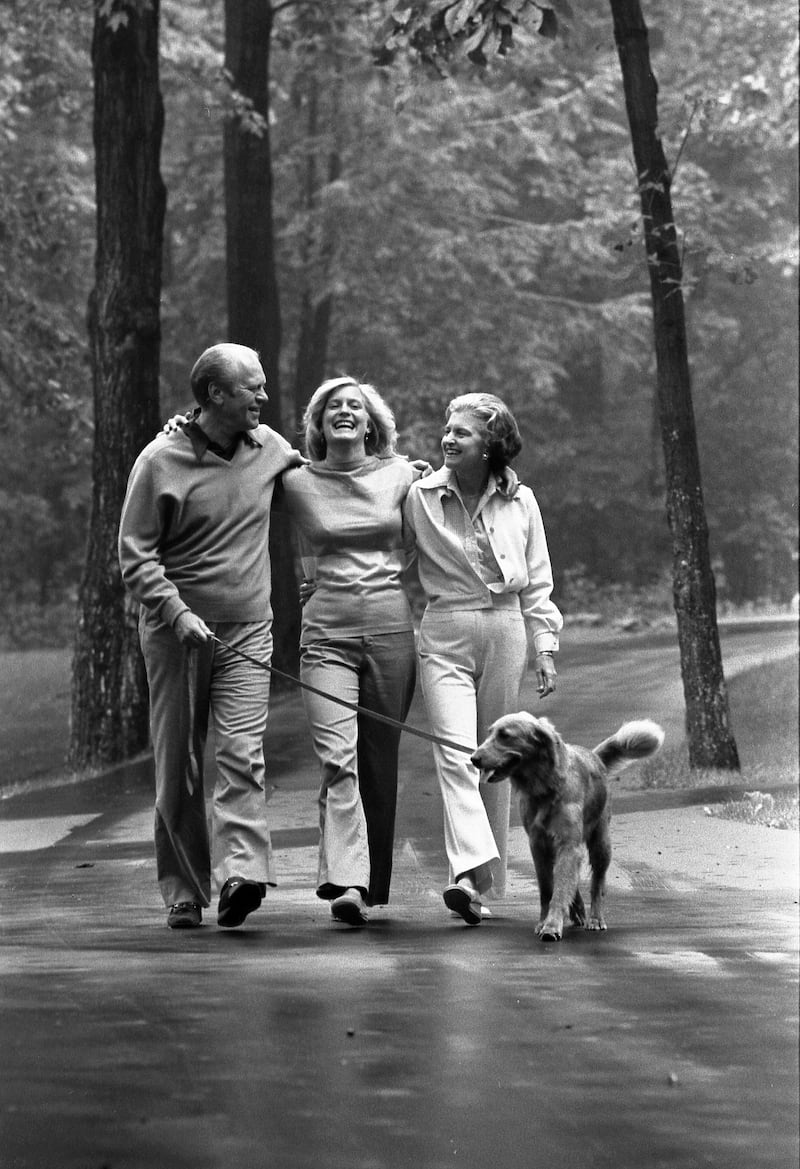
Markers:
(185, 915)
(237, 898)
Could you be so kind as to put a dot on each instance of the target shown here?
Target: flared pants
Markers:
(357, 756)
(472, 664)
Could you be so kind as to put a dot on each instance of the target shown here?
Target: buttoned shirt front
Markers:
(476, 562)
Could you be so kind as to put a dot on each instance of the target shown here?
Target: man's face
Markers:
(240, 408)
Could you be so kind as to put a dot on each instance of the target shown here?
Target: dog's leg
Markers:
(542, 853)
(599, 845)
(577, 911)
(566, 872)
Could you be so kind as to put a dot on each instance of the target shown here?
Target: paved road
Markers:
(670, 1040)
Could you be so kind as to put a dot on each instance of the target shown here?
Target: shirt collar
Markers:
(444, 481)
(201, 442)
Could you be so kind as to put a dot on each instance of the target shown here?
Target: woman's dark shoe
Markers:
(237, 898)
(185, 915)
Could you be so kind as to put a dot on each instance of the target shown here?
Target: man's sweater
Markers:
(194, 528)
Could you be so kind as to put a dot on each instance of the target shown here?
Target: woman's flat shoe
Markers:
(350, 908)
(463, 900)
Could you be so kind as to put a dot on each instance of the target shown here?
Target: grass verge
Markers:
(764, 716)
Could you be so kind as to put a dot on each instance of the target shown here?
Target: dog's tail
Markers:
(634, 740)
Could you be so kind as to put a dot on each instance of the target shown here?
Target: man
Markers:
(193, 549)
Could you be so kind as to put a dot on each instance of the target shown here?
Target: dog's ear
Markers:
(546, 747)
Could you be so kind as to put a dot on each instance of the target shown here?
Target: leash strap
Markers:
(382, 718)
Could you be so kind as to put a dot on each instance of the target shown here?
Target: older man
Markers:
(193, 548)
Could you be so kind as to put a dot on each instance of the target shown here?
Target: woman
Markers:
(485, 570)
(357, 637)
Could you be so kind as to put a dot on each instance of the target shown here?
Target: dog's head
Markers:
(518, 742)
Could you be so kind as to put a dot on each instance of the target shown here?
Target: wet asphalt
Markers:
(669, 1040)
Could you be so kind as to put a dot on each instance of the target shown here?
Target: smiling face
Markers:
(345, 419)
(464, 444)
(239, 403)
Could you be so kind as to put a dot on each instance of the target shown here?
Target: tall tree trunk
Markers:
(317, 248)
(711, 743)
(253, 307)
(109, 690)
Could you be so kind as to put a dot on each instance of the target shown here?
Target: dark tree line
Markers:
(254, 313)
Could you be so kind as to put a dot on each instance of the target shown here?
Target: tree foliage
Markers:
(476, 231)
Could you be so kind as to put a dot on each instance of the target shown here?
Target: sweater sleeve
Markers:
(140, 532)
(543, 619)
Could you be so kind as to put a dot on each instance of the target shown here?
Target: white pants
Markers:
(472, 664)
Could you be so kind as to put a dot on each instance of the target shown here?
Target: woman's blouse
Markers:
(465, 562)
(353, 545)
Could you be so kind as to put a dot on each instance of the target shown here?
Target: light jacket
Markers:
(515, 533)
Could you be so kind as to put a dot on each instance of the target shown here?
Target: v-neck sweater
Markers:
(194, 529)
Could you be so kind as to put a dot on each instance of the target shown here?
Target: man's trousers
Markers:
(186, 687)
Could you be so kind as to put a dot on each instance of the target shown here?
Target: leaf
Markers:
(474, 42)
(458, 16)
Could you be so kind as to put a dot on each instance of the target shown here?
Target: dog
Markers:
(564, 805)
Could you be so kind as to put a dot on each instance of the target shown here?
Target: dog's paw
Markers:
(596, 922)
(549, 931)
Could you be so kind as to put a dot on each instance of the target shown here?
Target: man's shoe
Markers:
(237, 898)
(350, 908)
(185, 915)
(462, 898)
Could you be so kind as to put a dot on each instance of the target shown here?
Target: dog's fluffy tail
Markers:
(634, 740)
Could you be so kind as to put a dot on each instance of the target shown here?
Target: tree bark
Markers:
(109, 690)
(254, 317)
(317, 245)
(711, 742)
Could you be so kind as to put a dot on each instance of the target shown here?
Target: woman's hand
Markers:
(307, 590)
(508, 482)
(178, 421)
(545, 669)
(424, 468)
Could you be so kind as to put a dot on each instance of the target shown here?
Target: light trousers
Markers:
(357, 756)
(472, 664)
(186, 686)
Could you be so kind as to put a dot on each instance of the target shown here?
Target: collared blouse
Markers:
(457, 553)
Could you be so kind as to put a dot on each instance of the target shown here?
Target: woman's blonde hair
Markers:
(503, 442)
(381, 435)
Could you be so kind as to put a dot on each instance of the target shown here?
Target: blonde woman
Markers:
(357, 637)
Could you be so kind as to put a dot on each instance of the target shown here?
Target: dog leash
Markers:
(373, 714)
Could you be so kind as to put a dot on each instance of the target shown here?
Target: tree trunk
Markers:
(253, 307)
(317, 249)
(109, 690)
(711, 743)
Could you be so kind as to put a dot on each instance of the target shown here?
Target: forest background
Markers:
(434, 236)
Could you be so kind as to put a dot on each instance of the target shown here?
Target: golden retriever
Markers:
(564, 804)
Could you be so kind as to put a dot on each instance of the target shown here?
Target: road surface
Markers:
(669, 1040)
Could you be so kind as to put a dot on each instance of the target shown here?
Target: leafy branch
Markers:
(442, 32)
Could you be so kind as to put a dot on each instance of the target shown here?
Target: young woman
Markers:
(485, 570)
(357, 637)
